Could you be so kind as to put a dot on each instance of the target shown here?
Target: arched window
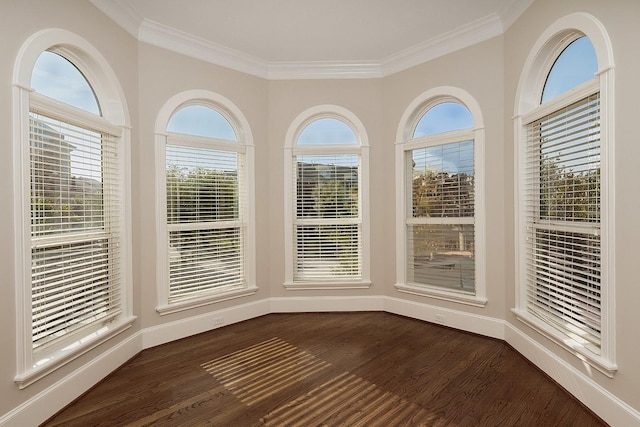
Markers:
(206, 249)
(440, 237)
(443, 117)
(57, 78)
(576, 64)
(74, 275)
(326, 182)
(565, 152)
(201, 120)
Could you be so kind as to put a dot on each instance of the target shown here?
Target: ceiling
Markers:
(314, 38)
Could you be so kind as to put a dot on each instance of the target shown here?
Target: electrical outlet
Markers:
(218, 321)
(440, 318)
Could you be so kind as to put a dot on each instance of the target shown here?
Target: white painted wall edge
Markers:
(609, 407)
(45, 404)
(39, 408)
(182, 328)
(469, 322)
(325, 304)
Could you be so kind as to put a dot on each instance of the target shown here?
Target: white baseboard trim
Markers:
(313, 304)
(183, 328)
(483, 325)
(46, 403)
(606, 405)
(43, 405)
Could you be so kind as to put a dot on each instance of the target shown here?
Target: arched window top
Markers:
(201, 120)
(443, 117)
(56, 77)
(575, 65)
(327, 131)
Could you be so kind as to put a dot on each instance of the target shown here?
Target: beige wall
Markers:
(18, 21)
(620, 19)
(478, 71)
(288, 99)
(488, 71)
(164, 74)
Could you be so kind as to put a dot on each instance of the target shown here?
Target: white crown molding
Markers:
(178, 41)
(324, 70)
(460, 38)
(163, 36)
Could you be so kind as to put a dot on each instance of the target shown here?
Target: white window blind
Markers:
(327, 223)
(562, 209)
(75, 203)
(205, 223)
(440, 223)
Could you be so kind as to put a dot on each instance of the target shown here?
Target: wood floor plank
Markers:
(330, 369)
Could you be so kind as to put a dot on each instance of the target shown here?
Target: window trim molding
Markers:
(243, 144)
(115, 116)
(291, 149)
(527, 104)
(404, 142)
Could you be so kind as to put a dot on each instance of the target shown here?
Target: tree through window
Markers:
(440, 225)
(564, 143)
(327, 184)
(205, 205)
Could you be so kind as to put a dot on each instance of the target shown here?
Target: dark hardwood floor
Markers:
(329, 369)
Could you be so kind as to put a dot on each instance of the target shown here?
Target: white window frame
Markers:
(404, 144)
(291, 149)
(244, 144)
(115, 117)
(527, 107)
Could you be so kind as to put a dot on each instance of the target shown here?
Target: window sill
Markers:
(202, 301)
(442, 294)
(72, 352)
(355, 284)
(607, 367)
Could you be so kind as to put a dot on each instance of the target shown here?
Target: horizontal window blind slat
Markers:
(203, 184)
(571, 323)
(443, 180)
(327, 252)
(75, 206)
(326, 185)
(69, 168)
(562, 207)
(441, 214)
(580, 293)
(72, 283)
(569, 313)
(205, 223)
(327, 224)
(204, 260)
(94, 303)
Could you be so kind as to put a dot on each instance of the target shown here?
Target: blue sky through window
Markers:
(327, 131)
(200, 120)
(575, 65)
(57, 78)
(443, 117)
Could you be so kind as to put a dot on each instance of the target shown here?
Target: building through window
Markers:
(74, 280)
(439, 199)
(327, 209)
